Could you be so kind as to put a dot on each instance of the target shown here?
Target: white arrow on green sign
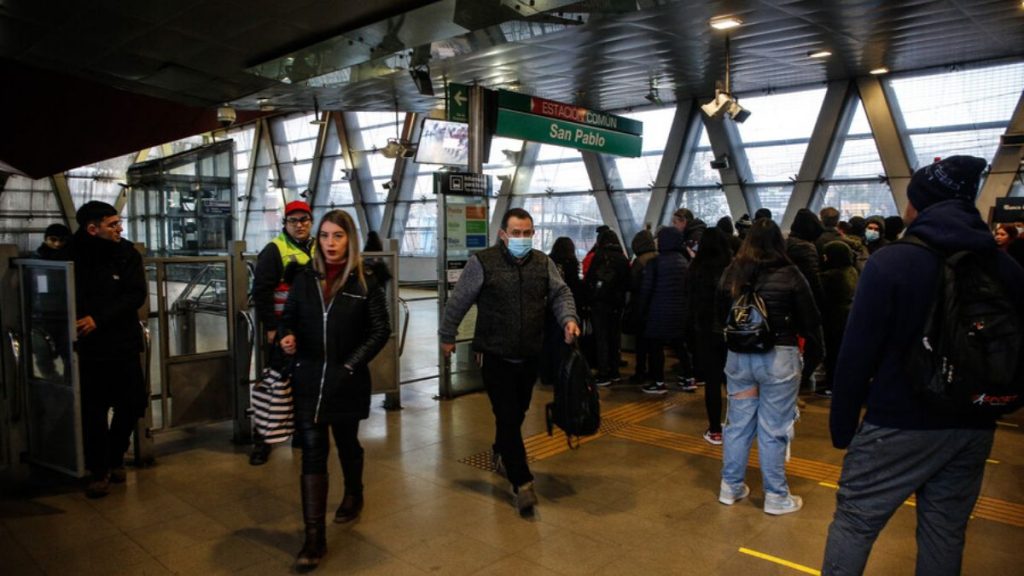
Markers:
(547, 130)
(458, 102)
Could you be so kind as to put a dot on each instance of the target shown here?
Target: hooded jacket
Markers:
(874, 246)
(644, 251)
(838, 283)
(663, 292)
(888, 314)
(608, 276)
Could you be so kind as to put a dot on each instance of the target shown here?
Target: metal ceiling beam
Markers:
(518, 187)
(1005, 165)
(318, 157)
(63, 193)
(885, 127)
(597, 171)
(362, 180)
(257, 138)
(403, 182)
(823, 149)
(675, 160)
(725, 141)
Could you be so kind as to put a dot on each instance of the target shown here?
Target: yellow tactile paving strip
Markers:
(623, 422)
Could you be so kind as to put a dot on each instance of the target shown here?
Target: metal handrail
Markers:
(405, 325)
(15, 342)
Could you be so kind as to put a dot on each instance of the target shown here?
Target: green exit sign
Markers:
(458, 102)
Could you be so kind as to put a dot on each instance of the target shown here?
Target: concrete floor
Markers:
(640, 498)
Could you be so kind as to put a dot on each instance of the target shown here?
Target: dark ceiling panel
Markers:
(197, 52)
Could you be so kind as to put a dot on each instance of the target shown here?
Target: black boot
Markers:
(352, 503)
(314, 509)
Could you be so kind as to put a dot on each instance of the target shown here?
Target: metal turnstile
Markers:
(49, 366)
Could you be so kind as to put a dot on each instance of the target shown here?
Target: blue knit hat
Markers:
(955, 177)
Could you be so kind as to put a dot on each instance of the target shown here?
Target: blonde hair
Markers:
(354, 261)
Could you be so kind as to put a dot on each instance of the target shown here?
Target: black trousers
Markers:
(109, 383)
(316, 444)
(510, 388)
(709, 356)
(607, 339)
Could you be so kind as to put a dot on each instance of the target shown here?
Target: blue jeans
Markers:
(774, 379)
(882, 468)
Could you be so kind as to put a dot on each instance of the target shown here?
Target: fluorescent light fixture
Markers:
(882, 70)
(819, 54)
(725, 22)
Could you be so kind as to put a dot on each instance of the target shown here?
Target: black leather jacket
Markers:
(357, 328)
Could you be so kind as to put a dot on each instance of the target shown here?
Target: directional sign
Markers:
(570, 112)
(458, 102)
(546, 130)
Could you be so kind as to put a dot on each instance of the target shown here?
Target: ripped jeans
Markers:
(762, 400)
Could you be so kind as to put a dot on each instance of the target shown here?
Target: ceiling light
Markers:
(725, 22)
(819, 54)
(882, 70)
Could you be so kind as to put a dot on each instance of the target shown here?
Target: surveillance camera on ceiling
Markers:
(226, 116)
(724, 104)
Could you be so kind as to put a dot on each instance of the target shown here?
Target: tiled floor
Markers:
(615, 506)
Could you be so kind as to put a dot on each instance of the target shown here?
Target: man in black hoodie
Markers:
(110, 287)
(902, 448)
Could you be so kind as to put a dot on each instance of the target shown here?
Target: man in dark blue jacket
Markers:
(902, 448)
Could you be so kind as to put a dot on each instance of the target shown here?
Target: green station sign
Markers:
(458, 102)
(568, 112)
(547, 130)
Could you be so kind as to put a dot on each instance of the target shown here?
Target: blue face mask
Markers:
(520, 247)
(871, 235)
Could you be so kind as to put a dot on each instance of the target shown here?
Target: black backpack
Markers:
(969, 360)
(577, 406)
(746, 327)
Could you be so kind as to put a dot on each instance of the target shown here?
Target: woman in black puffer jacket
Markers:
(801, 250)
(763, 386)
(331, 379)
(663, 298)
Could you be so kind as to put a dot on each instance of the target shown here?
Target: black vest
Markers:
(511, 304)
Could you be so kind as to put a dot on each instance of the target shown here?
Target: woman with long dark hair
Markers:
(763, 386)
(563, 254)
(335, 321)
(706, 327)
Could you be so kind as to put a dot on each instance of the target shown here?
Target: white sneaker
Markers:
(728, 497)
(779, 506)
(656, 388)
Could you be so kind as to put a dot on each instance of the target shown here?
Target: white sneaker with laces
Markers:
(777, 506)
(728, 497)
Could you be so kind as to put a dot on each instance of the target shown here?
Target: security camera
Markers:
(717, 107)
(736, 112)
(720, 163)
(226, 116)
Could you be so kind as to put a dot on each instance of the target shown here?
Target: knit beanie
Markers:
(955, 177)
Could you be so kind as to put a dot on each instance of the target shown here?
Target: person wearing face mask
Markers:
(874, 234)
(512, 285)
(334, 322)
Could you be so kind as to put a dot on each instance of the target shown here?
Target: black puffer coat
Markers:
(644, 250)
(791, 307)
(358, 327)
(663, 293)
(805, 256)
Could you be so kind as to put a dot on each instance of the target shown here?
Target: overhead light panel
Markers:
(819, 54)
(882, 70)
(725, 22)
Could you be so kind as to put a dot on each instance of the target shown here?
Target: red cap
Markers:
(297, 206)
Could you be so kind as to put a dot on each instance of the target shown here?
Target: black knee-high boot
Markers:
(352, 503)
(314, 510)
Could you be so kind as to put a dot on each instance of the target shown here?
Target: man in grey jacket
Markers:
(512, 285)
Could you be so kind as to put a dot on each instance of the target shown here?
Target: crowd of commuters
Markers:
(843, 295)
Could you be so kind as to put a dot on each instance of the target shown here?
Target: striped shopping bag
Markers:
(273, 411)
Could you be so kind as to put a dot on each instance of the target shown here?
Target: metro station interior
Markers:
(201, 119)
